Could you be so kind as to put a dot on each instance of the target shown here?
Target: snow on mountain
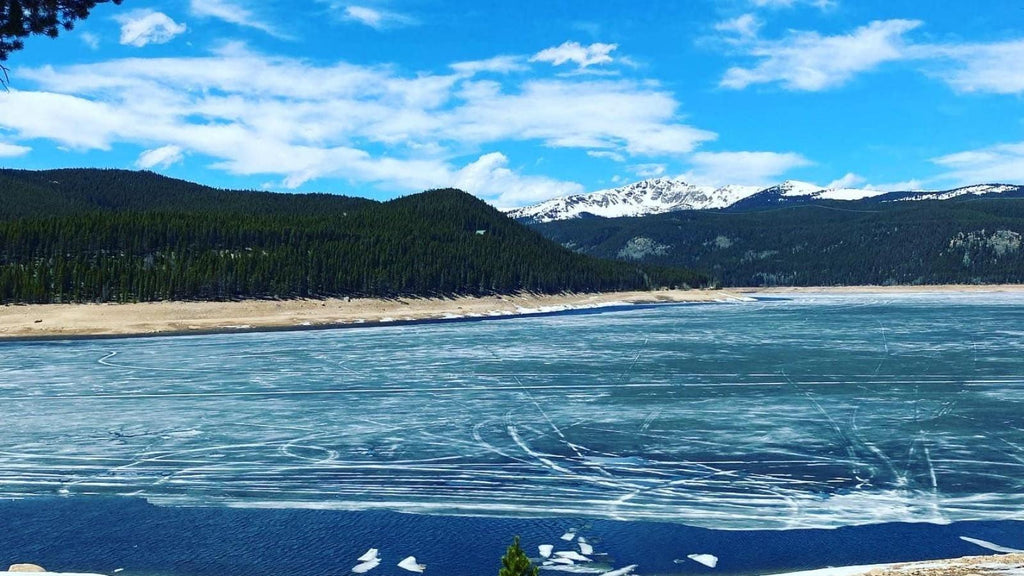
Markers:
(638, 199)
(977, 190)
(660, 195)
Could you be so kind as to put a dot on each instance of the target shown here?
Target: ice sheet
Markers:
(812, 412)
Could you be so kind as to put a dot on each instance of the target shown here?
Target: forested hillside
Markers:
(109, 235)
(966, 240)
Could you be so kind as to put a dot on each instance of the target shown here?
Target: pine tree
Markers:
(515, 562)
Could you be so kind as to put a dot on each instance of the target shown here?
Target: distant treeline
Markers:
(966, 240)
(120, 236)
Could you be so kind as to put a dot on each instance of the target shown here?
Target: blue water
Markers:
(658, 432)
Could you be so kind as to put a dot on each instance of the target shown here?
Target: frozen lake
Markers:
(809, 412)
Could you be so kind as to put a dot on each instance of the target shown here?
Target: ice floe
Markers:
(371, 554)
(709, 560)
(366, 566)
(573, 555)
(545, 550)
(410, 564)
(569, 536)
(621, 571)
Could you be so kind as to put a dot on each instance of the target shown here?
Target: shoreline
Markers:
(41, 322)
(21, 322)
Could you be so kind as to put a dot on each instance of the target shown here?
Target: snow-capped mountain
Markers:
(978, 190)
(661, 195)
(638, 199)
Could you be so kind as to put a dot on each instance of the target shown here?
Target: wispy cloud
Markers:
(142, 27)
(13, 150)
(377, 18)
(749, 168)
(89, 39)
(990, 68)
(745, 26)
(583, 56)
(163, 157)
(497, 65)
(372, 125)
(808, 61)
(819, 4)
(233, 13)
(1002, 163)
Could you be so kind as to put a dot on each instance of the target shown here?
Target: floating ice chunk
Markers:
(621, 571)
(991, 546)
(366, 566)
(568, 536)
(371, 554)
(545, 550)
(563, 560)
(585, 548)
(708, 560)
(573, 555)
(410, 564)
(584, 569)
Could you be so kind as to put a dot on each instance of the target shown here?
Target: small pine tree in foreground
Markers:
(515, 562)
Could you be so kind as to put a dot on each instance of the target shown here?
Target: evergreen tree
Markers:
(515, 562)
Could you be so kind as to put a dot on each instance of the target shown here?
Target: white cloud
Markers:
(142, 27)
(490, 178)
(999, 164)
(989, 68)
(850, 180)
(904, 186)
(745, 26)
(748, 168)
(811, 62)
(89, 39)
(497, 65)
(819, 4)
(607, 155)
(13, 150)
(377, 18)
(246, 114)
(163, 157)
(233, 13)
(582, 56)
(620, 116)
(649, 170)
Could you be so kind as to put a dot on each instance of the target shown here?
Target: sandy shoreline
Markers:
(47, 321)
(166, 318)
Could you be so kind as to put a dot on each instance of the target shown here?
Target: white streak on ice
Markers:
(991, 546)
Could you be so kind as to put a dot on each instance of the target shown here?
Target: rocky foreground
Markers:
(995, 565)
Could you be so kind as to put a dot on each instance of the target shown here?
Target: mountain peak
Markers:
(651, 196)
(663, 194)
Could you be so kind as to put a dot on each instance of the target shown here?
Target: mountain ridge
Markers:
(85, 235)
(663, 195)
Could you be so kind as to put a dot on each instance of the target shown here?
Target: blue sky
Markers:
(521, 101)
